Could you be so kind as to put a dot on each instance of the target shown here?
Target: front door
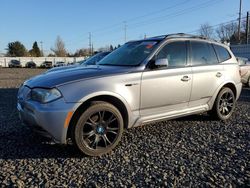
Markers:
(165, 89)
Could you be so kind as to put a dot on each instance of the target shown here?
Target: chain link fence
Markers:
(242, 50)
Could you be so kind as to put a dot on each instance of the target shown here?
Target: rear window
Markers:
(202, 53)
(222, 53)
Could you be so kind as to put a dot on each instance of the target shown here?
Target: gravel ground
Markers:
(188, 152)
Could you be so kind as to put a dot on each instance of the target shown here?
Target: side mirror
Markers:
(161, 62)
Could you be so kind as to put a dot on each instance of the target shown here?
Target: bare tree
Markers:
(104, 49)
(59, 48)
(225, 32)
(82, 52)
(206, 30)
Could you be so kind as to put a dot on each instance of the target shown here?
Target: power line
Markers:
(176, 14)
(181, 12)
(161, 18)
(111, 27)
(142, 16)
(216, 25)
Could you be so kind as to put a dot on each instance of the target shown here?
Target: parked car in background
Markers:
(59, 64)
(46, 64)
(30, 64)
(244, 64)
(94, 59)
(70, 63)
(90, 61)
(143, 81)
(15, 64)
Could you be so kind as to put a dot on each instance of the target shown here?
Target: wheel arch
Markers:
(114, 100)
(230, 85)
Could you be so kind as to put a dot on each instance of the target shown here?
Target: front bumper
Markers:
(50, 117)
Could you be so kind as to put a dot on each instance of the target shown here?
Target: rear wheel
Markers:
(99, 129)
(224, 104)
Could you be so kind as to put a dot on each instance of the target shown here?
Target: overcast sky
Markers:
(32, 20)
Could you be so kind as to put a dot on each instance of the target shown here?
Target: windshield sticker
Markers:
(149, 44)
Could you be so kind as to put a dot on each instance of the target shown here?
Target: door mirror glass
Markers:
(162, 62)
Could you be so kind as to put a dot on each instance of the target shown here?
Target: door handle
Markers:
(185, 78)
(218, 74)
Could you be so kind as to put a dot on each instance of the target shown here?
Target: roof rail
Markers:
(174, 35)
(185, 35)
(189, 36)
(179, 35)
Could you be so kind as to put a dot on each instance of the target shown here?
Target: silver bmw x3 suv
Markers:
(146, 80)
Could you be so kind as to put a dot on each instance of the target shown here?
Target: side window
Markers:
(175, 52)
(222, 53)
(202, 53)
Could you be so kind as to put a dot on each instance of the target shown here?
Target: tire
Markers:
(99, 129)
(224, 104)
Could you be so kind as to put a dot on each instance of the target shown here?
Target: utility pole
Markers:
(125, 31)
(90, 44)
(247, 28)
(41, 42)
(239, 21)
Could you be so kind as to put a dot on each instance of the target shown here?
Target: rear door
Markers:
(207, 72)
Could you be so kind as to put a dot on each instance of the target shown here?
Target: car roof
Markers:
(179, 36)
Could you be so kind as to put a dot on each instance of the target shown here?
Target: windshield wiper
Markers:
(122, 65)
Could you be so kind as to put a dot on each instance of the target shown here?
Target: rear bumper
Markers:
(49, 117)
(238, 90)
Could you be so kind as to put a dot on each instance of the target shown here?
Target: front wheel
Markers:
(99, 129)
(224, 104)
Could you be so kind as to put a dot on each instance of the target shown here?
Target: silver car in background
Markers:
(90, 61)
(143, 81)
(244, 64)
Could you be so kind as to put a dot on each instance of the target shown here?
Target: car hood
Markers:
(62, 68)
(65, 76)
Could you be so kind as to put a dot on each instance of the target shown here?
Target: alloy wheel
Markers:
(100, 130)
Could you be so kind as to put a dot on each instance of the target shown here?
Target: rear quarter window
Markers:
(222, 53)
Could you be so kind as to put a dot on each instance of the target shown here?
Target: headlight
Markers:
(45, 95)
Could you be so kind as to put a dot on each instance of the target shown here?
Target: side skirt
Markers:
(171, 115)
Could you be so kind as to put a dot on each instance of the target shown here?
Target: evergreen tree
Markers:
(16, 49)
(111, 48)
(35, 51)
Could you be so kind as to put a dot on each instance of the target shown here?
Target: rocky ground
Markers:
(188, 152)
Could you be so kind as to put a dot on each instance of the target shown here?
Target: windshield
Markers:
(130, 54)
(94, 59)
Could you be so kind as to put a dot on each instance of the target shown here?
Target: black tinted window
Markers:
(222, 53)
(175, 52)
(202, 53)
